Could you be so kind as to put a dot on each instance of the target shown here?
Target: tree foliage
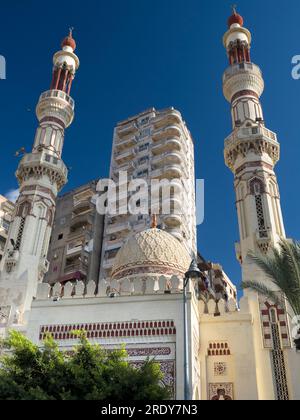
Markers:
(282, 268)
(89, 372)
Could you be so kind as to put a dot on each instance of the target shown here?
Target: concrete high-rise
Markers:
(153, 145)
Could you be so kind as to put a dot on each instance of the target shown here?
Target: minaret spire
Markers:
(251, 151)
(41, 175)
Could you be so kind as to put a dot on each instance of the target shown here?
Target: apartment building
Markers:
(76, 240)
(153, 145)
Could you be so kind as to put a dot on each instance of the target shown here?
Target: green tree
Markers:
(282, 268)
(89, 372)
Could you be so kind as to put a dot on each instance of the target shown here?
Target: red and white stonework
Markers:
(237, 350)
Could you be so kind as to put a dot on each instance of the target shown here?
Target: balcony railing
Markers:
(125, 156)
(173, 130)
(246, 133)
(122, 144)
(126, 129)
(241, 68)
(170, 116)
(172, 157)
(58, 94)
(118, 227)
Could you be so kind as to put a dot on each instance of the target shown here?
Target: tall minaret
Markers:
(41, 175)
(251, 151)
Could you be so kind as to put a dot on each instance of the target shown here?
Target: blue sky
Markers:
(137, 54)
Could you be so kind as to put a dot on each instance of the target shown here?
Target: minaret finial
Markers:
(71, 29)
(154, 222)
(234, 7)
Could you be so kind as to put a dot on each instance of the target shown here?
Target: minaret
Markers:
(252, 150)
(41, 175)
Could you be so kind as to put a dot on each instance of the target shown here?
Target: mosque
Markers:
(218, 348)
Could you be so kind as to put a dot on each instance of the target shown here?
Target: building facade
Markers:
(154, 145)
(6, 214)
(76, 239)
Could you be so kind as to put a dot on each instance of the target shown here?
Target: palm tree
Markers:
(283, 270)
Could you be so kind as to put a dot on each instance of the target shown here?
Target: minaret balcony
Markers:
(242, 77)
(241, 68)
(41, 164)
(256, 139)
(56, 104)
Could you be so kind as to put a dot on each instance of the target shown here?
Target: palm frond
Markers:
(282, 268)
(263, 290)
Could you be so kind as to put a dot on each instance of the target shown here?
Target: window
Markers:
(273, 315)
(142, 173)
(146, 132)
(60, 236)
(143, 160)
(144, 147)
(144, 121)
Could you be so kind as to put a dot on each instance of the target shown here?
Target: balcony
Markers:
(127, 129)
(75, 268)
(170, 116)
(46, 162)
(172, 171)
(81, 221)
(111, 245)
(241, 68)
(168, 157)
(123, 157)
(58, 94)
(168, 172)
(173, 130)
(75, 248)
(251, 132)
(123, 144)
(171, 144)
(118, 227)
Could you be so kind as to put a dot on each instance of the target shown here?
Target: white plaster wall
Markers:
(121, 309)
(236, 329)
